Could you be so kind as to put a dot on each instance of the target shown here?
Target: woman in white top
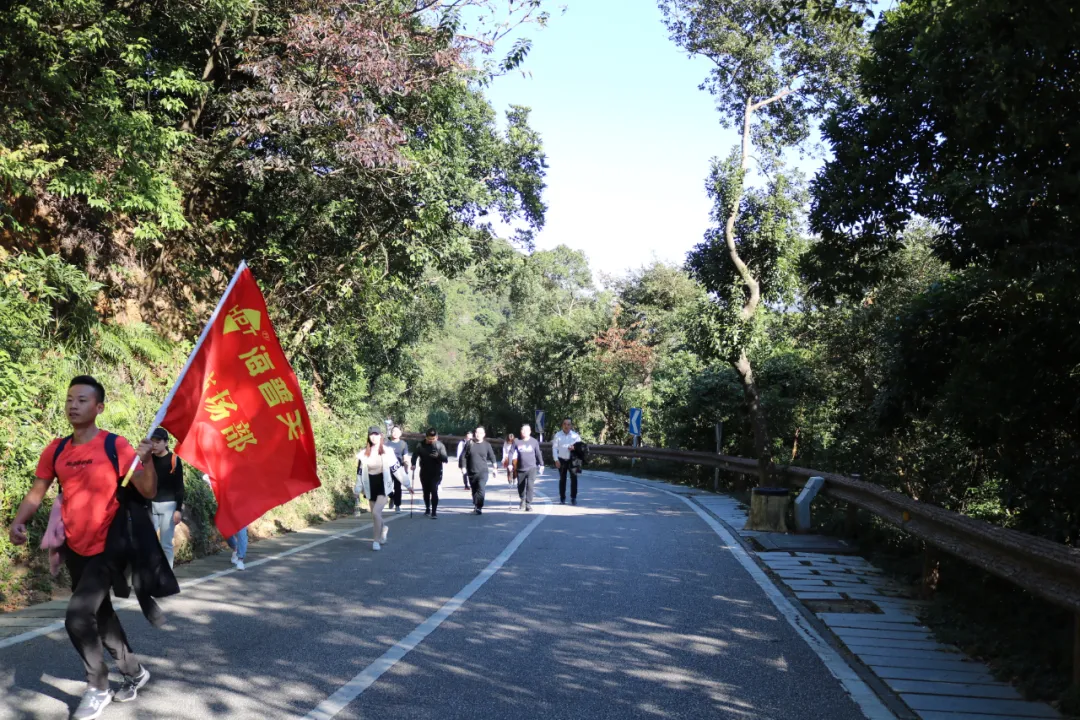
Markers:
(376, 461)
(508, 458)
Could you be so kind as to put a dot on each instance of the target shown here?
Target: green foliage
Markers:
(48, 334)
(972, 128)
(761, 49)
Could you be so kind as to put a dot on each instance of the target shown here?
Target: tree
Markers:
(975, 129)
(346, 151)
(774, 73)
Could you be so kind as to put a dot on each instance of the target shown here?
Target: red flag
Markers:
(238, 415)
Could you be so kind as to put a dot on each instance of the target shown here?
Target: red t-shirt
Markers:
(89, 483)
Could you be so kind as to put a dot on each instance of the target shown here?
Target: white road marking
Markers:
(125, 604)
(860, 692)
(354, 688)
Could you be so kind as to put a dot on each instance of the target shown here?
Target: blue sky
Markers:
(627, 133)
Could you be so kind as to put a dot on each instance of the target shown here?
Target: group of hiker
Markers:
(384, 467)
(108, 531)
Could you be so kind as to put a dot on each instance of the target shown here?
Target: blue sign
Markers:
(539, 421)
(635, 421)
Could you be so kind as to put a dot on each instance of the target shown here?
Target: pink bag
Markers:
(54, 537)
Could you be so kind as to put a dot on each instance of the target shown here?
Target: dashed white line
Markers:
(354, 688)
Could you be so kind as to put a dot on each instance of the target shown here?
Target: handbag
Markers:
(397, 471)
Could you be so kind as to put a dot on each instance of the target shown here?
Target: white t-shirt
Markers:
(562, 442)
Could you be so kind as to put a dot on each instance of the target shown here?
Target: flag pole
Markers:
(160, 415)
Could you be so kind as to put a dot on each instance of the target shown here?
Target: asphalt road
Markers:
(626, 606)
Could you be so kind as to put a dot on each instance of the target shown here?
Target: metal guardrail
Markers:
(1045, 568)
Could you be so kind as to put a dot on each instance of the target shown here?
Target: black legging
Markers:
(92, 623)
(431, 492)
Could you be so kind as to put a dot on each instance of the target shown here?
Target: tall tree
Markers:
(972, 119)
(776, 67)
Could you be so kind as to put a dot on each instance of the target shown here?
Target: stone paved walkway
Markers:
(873, 617)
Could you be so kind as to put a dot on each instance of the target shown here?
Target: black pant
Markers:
(92, 623)
(479, 485)
(526, 480)
(395, 496)
(465, 479)
(564, 468)
(431, 492)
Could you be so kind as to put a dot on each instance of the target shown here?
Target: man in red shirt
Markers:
(89, 481)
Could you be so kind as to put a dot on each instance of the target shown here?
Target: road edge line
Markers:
(860, 692)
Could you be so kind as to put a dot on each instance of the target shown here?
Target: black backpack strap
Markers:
(110, 452)
(60, 449)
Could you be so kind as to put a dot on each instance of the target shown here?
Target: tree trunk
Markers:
(757, 417)
(192, 119)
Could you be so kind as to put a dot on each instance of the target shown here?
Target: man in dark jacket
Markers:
(430, 456)
(477, 462)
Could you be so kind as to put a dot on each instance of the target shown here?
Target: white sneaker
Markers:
(385, 532)
(235, 557)
(376, 546)
(240, 565)
(93, 704)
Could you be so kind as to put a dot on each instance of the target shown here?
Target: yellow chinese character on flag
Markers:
(275, 392)
(209, 381)
(239, 436)
(257, 363)
(294, 422)
(247, 321)
(220, 406)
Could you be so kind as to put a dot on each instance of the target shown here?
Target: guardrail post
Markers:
(802, 503)
(851, 517)
(719, 451)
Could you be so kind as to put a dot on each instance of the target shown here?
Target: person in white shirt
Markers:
(462, 444)
(561, 446)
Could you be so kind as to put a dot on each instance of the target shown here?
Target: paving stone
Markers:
(900, 633)
(809, 585)
(926, 661)
(998, 691)
(819, 596)
(840, 617)
(869, 622)
(1011, 709)
(976, 676)
(894, 645)
(924, 653)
